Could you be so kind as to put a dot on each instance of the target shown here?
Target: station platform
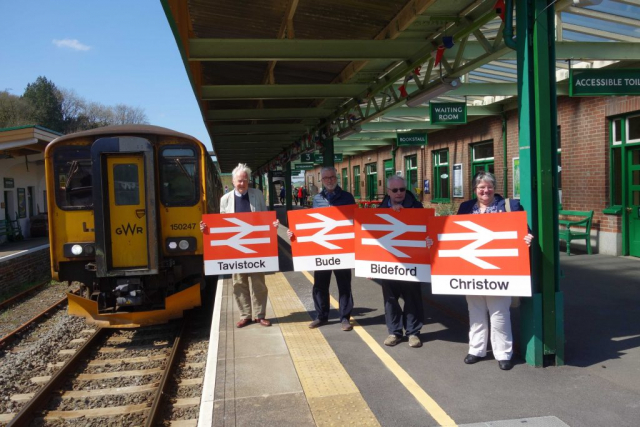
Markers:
(290, 375)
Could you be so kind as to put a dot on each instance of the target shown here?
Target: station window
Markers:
(372, 181)
(179, 176)
(126, 186)
(356, 181)
(624, 141)
(345, 179)
(482, 157)
(411, 168)
(441, 176)
(72, 175)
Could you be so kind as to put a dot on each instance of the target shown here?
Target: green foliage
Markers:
(44, 98)
(14, 111)
(444, 209)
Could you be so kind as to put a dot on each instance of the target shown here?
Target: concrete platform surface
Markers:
(285, 376)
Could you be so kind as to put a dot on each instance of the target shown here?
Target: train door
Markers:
(124, 207)
(127, 213)
(633, 201)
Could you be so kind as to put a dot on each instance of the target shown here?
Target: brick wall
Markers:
(32, 267)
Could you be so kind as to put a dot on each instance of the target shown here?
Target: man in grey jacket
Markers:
(245, 199)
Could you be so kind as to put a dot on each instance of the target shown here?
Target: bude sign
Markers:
(323, 238)
(240, 243)
(480, 255)
(393, 245)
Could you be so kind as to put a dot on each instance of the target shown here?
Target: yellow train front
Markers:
(125, 203)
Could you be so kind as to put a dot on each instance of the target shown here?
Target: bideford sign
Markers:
(599, 82)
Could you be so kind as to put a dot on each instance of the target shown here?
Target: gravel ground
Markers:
(31, 356)
(25, 309)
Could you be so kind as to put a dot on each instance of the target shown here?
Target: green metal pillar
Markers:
(260, 185)
(287, 186)
(271, 189)
(327, 159)
(542, 329)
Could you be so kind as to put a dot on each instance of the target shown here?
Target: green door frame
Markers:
(388, 171)
(372, 181)
(356, 181)
(345, 179)
(632, 206)
(411, 186)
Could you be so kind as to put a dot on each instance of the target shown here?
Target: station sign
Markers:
(306, 157)
(323, 238)
(412, 138)
(393, 245)
(304, 166)
(480, 255)
(319, 158)
(240, 243)
(9, 183)
(277, 174)
(599, 82)
(448, 112)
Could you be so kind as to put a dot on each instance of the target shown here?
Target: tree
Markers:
(14, 111)
(44, 98)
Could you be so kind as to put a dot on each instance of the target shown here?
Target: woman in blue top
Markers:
(487, 201)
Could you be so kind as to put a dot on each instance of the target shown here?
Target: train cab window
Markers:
(179, 176)
(72, 174)
(126, 185)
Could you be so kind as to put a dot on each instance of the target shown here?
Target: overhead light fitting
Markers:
(419, 98)
(349, 131)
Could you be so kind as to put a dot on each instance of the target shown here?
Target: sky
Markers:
(111, 52)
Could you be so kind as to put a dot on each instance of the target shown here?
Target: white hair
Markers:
(241, 168)
(395, 177)
(328, 169)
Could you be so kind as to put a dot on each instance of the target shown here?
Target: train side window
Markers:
(72, 174)
(179, 176)
(126, 187)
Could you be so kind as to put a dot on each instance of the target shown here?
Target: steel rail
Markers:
(154, 414)
(21, 294)
(27, 413)
(13, 334)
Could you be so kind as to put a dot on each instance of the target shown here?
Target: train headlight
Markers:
(181, 244)
(79, 249)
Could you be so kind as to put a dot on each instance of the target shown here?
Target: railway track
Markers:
(145, 376)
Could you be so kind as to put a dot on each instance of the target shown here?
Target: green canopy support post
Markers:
(260, 184)
(542, 328)
(287, 186)
(272, 190)
(327, 155)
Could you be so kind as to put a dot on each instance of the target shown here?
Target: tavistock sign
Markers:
(323, 238)
(240, 243)
(393, 245)
(480, 255)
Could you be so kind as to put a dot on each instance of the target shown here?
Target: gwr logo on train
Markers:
(128, 228)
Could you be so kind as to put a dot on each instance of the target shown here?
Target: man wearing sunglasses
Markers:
(331, 195)
(405, 320)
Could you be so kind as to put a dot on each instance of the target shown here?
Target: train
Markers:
(125, 203)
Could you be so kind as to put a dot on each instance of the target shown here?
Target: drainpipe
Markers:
(505, 165)
(507, 33)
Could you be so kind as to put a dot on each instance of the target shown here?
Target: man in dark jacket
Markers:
(331, 195)
(408, 319)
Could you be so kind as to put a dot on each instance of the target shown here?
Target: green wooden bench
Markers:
(568, 234)
(5, 228)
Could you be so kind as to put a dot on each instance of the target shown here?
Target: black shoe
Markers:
(471, 359)
(317, 323)
(505, 365)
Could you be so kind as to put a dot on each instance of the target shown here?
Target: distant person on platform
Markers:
(282, 195)
(488, 202)
(226, 189)
(405, 320)
(295, 196)
(331, 195)
(300, 196)
(304, 196)
(251, 297)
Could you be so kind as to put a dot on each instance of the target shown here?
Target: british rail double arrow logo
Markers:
(238, 241)
(396, 228)
(325, 225)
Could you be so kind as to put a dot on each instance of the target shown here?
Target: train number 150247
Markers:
(189, 226)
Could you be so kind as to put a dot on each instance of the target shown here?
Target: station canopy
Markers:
(275, 76)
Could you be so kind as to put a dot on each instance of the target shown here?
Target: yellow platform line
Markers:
(427, 402)
(333, 397)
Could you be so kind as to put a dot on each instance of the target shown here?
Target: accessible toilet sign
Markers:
(448, 112)
(323, 238)
(393, 245)
(240, 243)
(480, 255)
